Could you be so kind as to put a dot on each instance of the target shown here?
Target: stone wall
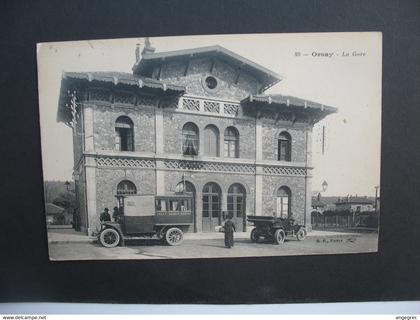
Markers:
(104, 126)
(173, 123)
(107, 180)
(78, 141)
(80, 190)
(199, 179)
(297, 187)
(270, 133)
(199, 68)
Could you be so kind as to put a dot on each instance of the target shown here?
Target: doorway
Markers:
(211, 207)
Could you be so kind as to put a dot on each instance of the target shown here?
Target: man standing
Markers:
(104, 217)
(229, 228)
(116, 214)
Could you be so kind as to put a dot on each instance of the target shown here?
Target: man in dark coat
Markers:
(105, 216)
(229, 228)
(116, 214)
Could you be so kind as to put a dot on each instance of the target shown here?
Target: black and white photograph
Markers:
(211, 146)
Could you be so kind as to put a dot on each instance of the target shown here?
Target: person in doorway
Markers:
(229, 228)
(104, 217)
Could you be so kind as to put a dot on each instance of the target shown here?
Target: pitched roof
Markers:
(316, 203)
(354, 200)
(284, 100)
(52, 209)
(113, 79)
(289, 102)
(268, 77)
(123, 78)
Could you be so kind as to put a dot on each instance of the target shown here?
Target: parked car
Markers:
(275, 228)
(147, 216)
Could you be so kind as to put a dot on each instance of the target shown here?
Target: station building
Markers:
(194, 121)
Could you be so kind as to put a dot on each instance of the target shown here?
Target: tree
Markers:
(66, 200)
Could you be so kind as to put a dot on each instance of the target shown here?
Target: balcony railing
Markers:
(201, 105)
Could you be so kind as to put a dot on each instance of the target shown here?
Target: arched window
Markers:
(211, 141)
(284, 147)
(190, 139)
(126, 187)
(231, 145)
(185, 187)
(283, 202)
(124, 139)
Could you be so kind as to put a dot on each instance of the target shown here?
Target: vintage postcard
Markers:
(211, 146)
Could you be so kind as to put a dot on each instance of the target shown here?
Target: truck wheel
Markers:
(279, 236)
(174, 236)
(109, 238)
(301, 234)
(254, 235)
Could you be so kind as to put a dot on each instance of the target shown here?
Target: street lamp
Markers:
(324, 186)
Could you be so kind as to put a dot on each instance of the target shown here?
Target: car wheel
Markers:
(174, 236)
(279, 236)
(254, 235)
(301, 234)
(109, 238)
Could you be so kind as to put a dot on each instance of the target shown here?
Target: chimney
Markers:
(148, 49)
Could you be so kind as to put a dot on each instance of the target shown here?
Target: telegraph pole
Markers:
(376, 199)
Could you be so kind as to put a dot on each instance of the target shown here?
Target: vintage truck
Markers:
(275, 228)
(148, 216)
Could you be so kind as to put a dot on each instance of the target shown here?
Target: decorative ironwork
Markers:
(170, 104)
(125, 162)
(145, 101)
(209, 166)
(269, 115)
(191, 104)
(74, 108)
(231, 109)
(123, 97)
(210, 106)
(289, 171)
(99, 95)
(284, 117)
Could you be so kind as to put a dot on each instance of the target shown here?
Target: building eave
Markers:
(111, 79)
(290, 103)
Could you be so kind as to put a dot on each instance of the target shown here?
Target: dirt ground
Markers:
(214, 248)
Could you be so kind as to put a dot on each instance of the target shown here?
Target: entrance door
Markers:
(236, 205)
(211, 207)
(186, 187)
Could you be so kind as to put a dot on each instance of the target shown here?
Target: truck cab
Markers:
(164, 217)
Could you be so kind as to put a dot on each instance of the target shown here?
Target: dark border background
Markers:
(26, 274)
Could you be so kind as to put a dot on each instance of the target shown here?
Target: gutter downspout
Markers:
(306, 175)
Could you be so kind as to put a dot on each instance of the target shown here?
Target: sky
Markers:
(343, 70)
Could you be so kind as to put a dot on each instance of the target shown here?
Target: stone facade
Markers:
(105, 117)
(198, 69)
(271, 133)
(156, 164)
(174, 121)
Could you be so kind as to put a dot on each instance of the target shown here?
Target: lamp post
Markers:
(67, 184)
(376, 199)
(324, 186)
